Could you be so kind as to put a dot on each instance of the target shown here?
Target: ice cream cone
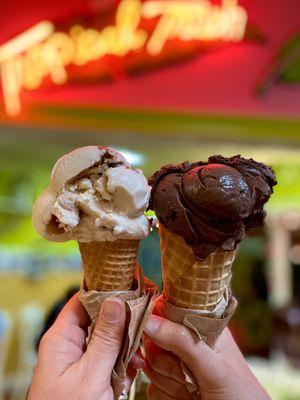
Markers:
(188, 281)
(109, 265)
(98, 200)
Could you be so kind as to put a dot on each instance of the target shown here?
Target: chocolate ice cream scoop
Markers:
(211, 204)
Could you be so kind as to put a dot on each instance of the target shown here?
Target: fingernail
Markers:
(137, 362)
(153, 324)
(140, 363)
(112, 309)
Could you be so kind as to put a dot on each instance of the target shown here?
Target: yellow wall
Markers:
(15, 291)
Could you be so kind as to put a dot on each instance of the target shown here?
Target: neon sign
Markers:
(41, 51)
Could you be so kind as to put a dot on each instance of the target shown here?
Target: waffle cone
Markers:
(189, 282)
(109, 266)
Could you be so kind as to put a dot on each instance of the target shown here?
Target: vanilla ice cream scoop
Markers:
(94, 196)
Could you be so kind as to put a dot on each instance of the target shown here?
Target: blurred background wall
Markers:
(109, 72)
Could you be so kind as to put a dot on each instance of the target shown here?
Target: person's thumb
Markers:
(106, 340)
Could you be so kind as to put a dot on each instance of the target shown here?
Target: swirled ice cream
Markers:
(211, 204)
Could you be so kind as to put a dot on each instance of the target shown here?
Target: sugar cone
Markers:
(109, 266)
(189, 282)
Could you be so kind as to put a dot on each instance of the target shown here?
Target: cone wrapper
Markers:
(139, 304)
(208, 326)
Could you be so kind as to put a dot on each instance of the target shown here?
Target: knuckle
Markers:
(154, 360)
(174, 390)
(183, 334)
(179, 336)
(165, 384)
(175, 371)
(107, 334)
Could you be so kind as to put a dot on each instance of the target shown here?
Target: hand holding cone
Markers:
(204, 210)
(96, 199)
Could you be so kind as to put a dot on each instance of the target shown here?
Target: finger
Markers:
(204, 363)
(163, 362)
(153, 393)
(70, 326)
(137, 361)
(106, 340)
(130, 377)
(167, 385)
(73, 313)
(173, 337)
